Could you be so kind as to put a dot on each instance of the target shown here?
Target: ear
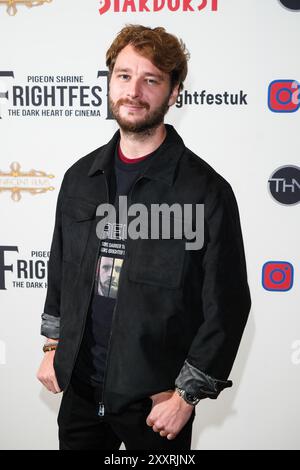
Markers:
(173, 95)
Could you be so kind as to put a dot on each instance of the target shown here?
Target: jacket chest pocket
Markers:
(77, 217)
(157, 262)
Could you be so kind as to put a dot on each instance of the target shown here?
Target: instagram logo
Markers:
(277, 275)
(283, 96)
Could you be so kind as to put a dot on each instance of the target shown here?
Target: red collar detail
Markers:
(130, 160)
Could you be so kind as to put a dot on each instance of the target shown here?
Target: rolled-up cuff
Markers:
(50, 326)
(199, 384)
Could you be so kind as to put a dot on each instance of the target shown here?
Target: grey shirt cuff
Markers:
(199, 384)
(50, 326)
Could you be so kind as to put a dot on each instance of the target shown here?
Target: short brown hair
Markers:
(166, 52)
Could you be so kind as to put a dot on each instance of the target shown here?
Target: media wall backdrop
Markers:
(239, 111)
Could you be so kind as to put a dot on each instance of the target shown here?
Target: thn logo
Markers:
(291, 4)
(284, 185)
(133, 6)
(277, 276)
(284, 96)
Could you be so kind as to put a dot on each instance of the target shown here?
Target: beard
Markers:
(143, 125)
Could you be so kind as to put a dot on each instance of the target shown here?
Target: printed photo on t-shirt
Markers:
(112, 252)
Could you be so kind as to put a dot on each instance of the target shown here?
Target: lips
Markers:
(133, 107)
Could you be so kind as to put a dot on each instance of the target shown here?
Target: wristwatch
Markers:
(49, 347)
(190, 399)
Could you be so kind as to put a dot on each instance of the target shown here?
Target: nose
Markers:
(134, 89)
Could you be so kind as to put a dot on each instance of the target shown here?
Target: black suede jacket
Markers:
(179, 314)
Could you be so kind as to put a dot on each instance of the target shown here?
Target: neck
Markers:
(135, 145)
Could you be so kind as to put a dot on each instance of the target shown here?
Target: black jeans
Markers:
(80, 427)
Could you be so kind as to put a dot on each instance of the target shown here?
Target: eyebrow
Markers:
(151, 74)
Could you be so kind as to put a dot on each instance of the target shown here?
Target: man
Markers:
(139, 330)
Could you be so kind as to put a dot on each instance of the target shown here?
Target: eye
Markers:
(151, 81)
(124, 76)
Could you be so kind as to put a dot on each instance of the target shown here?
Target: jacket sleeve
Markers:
(225, 299)
(51, 315)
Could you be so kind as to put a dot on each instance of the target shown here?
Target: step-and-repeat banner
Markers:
(239, 111)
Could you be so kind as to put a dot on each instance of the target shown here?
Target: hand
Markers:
(169, 414)
(46, 374)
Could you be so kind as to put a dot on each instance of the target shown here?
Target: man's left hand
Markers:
(169, 413)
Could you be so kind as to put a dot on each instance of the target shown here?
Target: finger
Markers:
(156, 429)
(163, 433)
(45, 382)
(49, 385)
(149, 421)
(171, 436)
(56, 386)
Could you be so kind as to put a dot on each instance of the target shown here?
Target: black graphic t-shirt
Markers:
(91, 361)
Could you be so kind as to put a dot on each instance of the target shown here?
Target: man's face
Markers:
(105, 274)
(140, 94)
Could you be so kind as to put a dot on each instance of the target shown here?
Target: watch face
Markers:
(191, 398)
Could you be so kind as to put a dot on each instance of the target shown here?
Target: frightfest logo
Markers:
(39, 95)
(147, 6)
(12, 5)
(27, 272)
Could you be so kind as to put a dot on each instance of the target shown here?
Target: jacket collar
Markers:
(162, 167)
